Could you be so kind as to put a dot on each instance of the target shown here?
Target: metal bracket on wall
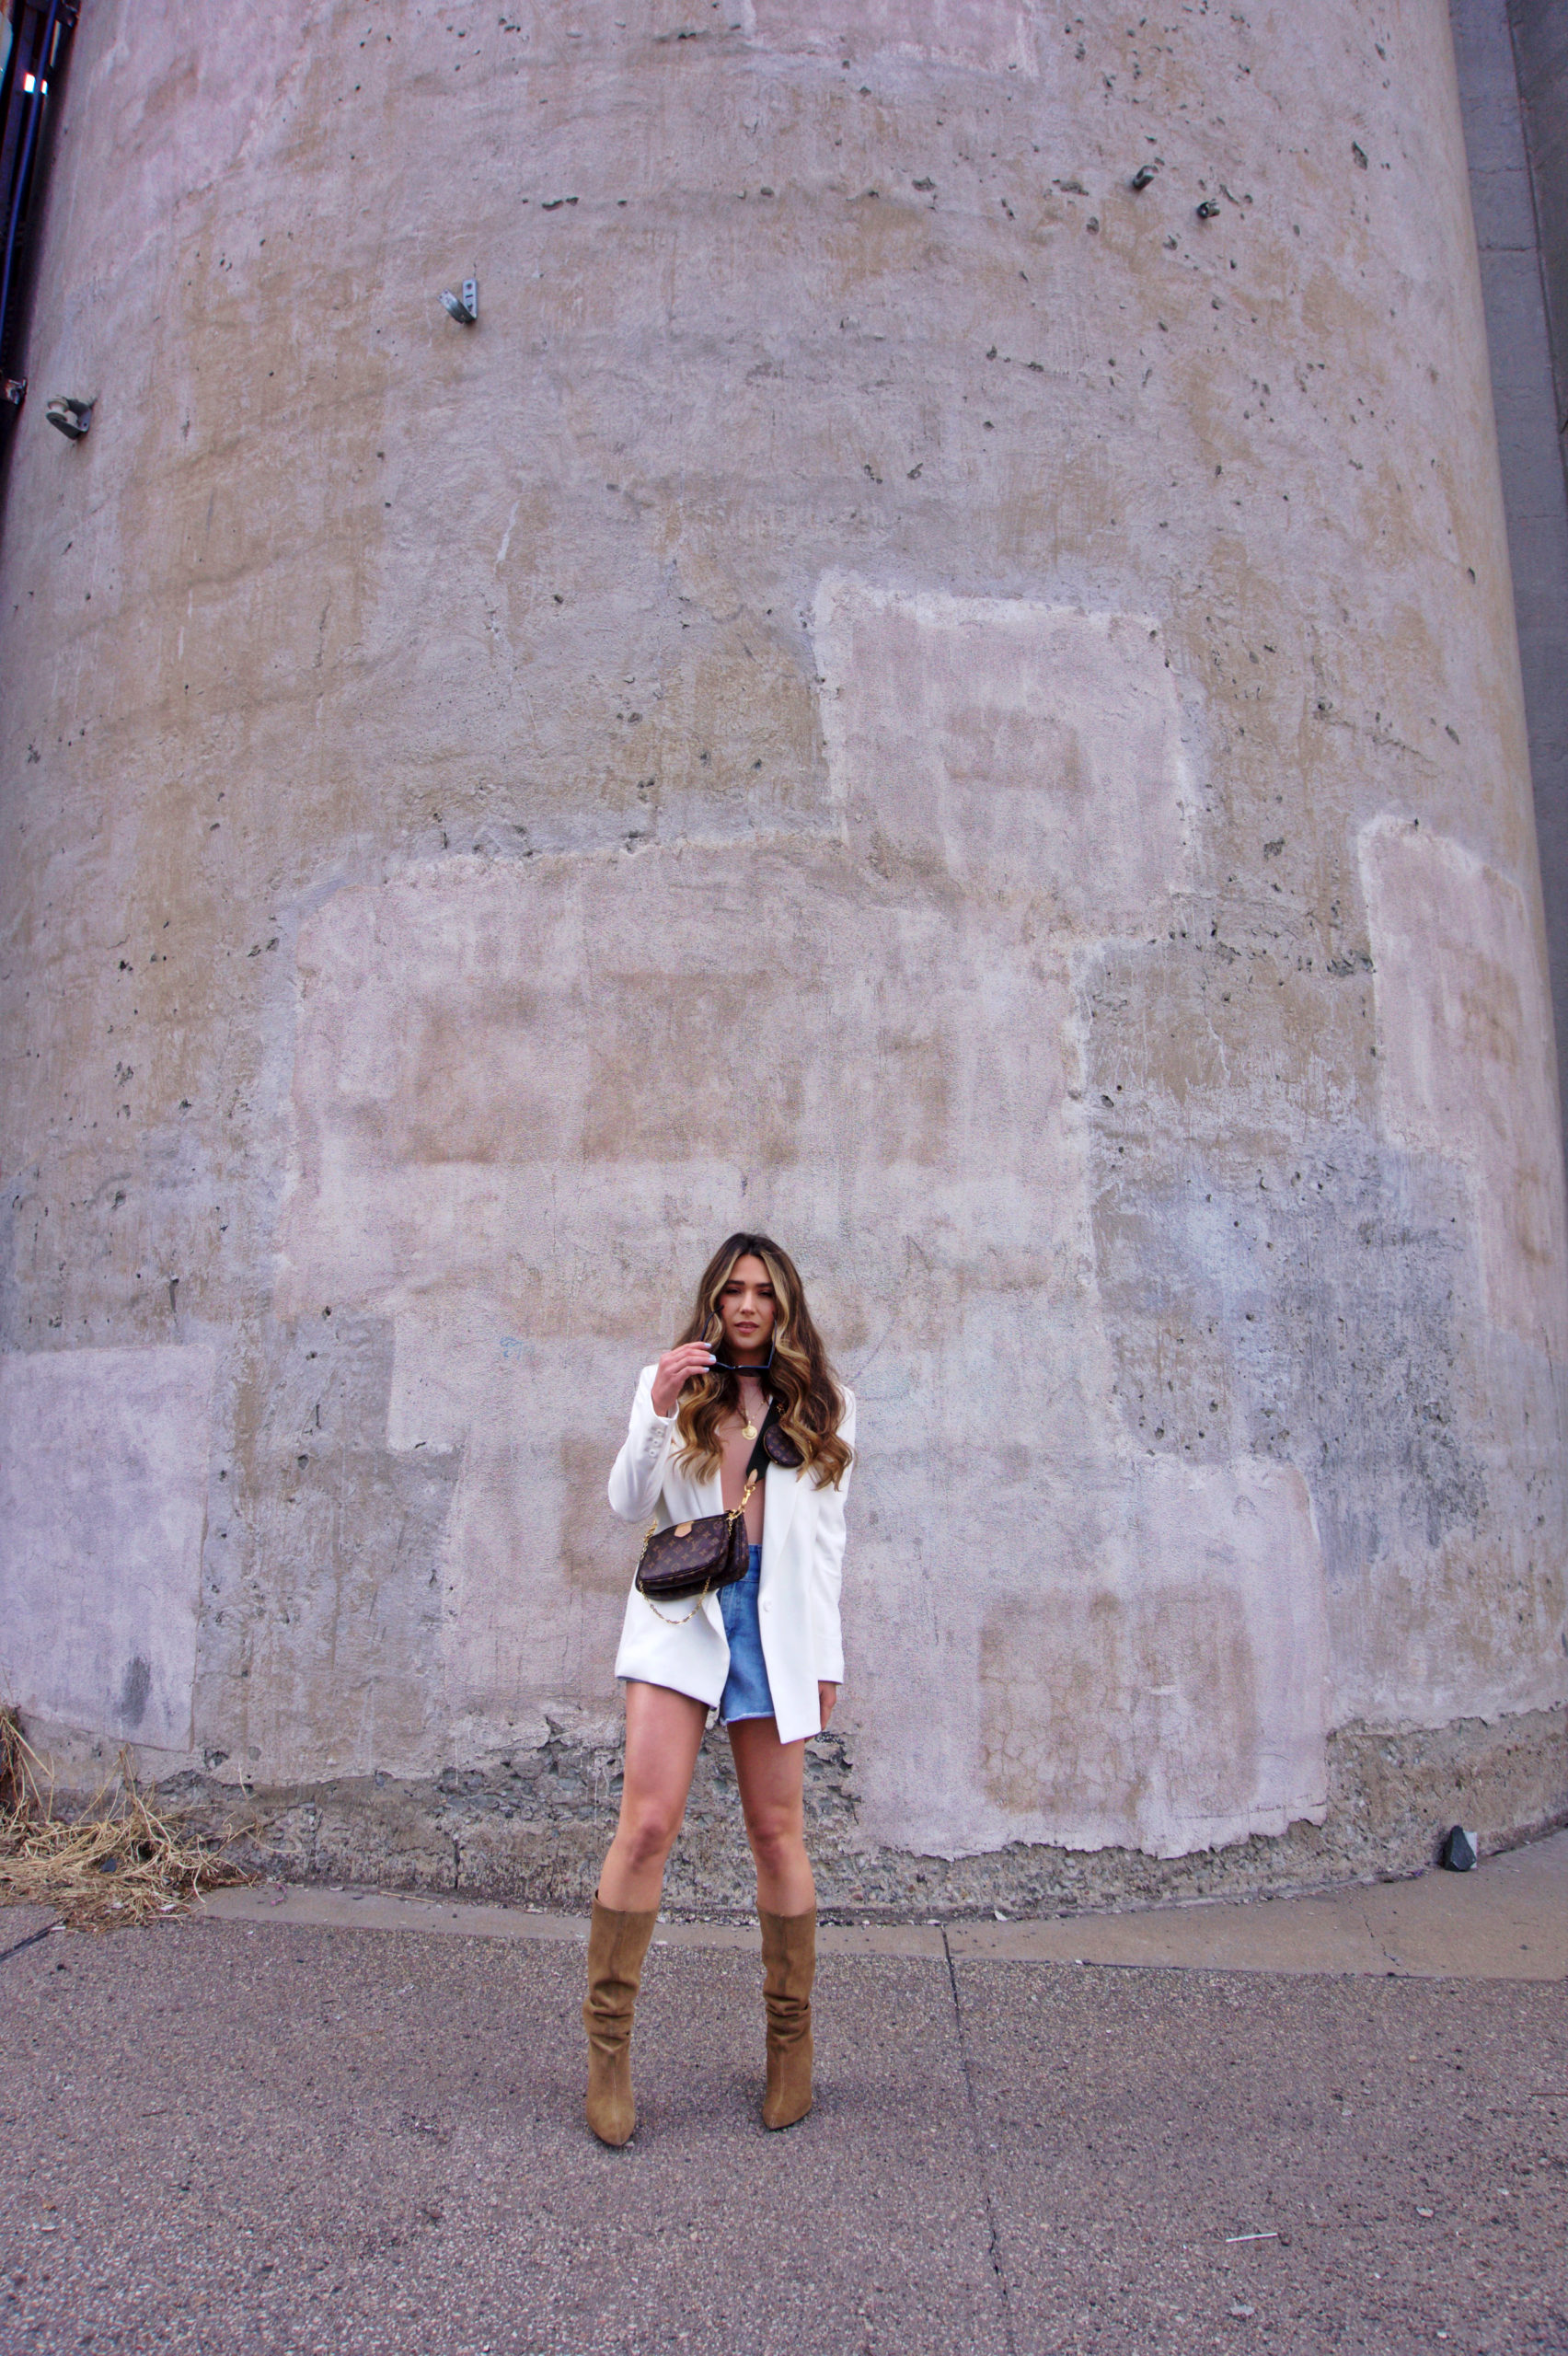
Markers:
(69, 415)
(464, 308)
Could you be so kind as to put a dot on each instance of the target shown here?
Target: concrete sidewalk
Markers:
(1507, 1921)
(307, 2134)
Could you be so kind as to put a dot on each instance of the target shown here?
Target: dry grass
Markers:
(119, 1862)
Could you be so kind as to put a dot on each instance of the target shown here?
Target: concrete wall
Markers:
(893, 687)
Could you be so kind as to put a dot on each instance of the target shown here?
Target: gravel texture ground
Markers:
(225, 2135)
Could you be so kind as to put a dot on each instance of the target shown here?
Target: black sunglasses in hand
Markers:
(723, 1365)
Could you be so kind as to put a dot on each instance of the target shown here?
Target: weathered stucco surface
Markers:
(894, 688)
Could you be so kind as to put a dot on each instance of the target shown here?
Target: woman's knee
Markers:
(775, 1841)
(648, 1830)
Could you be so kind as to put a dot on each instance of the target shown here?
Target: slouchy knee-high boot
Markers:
(789, 1961)
(617, 1945)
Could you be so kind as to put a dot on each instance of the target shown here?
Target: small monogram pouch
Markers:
(699, 1557)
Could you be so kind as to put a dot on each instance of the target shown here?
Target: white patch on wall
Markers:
(996, 37)
(1136, 1656)
(1464, 1057)
(1030, 748)
(103, 1490)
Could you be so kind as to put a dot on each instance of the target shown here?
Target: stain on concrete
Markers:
(135, 1690)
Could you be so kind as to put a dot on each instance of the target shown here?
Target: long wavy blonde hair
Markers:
(811, 1404)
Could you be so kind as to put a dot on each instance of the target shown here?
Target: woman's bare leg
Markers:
(772, 1778)
(664, 1735)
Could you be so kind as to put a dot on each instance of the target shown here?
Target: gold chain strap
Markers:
(731, 1517)
(684, 1615)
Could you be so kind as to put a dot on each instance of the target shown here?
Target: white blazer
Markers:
(803, 1558)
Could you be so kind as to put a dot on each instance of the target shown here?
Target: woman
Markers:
(765, 1652)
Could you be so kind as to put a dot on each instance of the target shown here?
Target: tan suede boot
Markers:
(788, 1968)
(617, 1945)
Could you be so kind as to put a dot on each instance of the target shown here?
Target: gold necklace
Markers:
(748, 1425)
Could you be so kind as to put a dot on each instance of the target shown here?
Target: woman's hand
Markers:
(826, 1696)
(676, 1368)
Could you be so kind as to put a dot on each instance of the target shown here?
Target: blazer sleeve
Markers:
(827, 1563)
(637, 1474)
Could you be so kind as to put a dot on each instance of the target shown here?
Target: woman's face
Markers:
(746, 1309)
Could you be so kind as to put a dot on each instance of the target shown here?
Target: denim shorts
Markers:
(747, 1693)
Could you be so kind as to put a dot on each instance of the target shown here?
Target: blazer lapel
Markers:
(783, 1488)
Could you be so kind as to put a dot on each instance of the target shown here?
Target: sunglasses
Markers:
(722, 1365)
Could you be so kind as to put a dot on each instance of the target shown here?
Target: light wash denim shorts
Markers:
(746, 1693)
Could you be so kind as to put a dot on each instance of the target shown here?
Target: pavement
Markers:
(307, 2121)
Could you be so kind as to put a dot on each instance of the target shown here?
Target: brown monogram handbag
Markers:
(699, 1557)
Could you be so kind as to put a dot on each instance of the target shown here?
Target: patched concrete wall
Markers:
(894, 688)
(103, 1507)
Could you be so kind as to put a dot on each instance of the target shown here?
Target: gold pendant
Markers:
(749, 1429)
